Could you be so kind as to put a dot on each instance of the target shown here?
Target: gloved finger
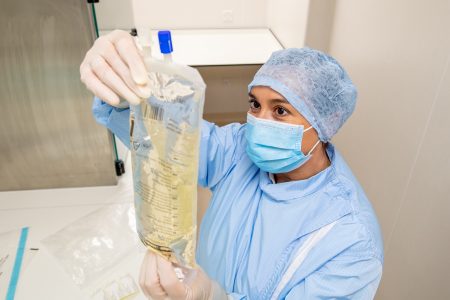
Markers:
(97, 87)
(117, 64)
(149, 279)
(143, 275)
(128, 51)
(111, 79)
(176, 289)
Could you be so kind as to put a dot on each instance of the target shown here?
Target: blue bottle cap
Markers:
(165, 41)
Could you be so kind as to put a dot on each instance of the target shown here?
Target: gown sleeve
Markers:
(220, 150)
(343, 277)
(219, 146)
(115, 119)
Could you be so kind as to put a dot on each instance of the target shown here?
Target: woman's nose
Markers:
(263, 114)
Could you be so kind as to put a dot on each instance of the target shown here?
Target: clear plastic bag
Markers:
(165, 131)
(90, 247)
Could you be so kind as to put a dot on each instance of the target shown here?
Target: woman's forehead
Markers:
(266, 92)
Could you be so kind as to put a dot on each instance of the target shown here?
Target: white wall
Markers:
(288, 19)
(320, 23)
(299, 23)
(114, 14)
(398, 140)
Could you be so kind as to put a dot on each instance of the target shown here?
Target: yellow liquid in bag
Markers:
(165, 166)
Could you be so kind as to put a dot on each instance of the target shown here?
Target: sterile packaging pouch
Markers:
(90, 248)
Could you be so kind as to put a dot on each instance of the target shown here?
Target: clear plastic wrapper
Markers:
(89, 248)
(165, 131)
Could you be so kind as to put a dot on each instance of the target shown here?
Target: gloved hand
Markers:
(158, 280)
(114, 68)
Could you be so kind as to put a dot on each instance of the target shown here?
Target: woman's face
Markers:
(266, 103)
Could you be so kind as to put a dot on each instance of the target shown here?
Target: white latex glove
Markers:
(114, 68)
(158, 280)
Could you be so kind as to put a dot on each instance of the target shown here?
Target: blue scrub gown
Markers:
(254, 228)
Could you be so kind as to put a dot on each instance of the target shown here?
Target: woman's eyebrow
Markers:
(279, 101)
(275, 100)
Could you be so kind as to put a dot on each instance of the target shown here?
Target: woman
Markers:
(287, 219)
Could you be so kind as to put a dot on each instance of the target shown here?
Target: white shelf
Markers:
(212, 47)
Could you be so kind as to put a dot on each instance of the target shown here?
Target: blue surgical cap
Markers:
(314, 83)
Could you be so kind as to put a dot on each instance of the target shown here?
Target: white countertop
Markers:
(47, 211)
(212, 47)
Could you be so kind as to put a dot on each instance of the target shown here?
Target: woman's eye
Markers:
(280, 111)
(254, 104)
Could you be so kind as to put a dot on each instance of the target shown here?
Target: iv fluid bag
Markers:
(165, 133)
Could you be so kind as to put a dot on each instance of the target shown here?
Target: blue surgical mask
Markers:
(275, 147)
